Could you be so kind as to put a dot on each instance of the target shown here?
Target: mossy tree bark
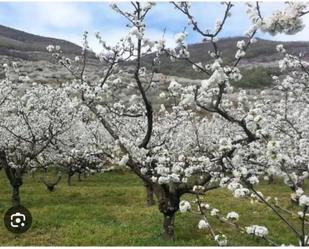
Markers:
(168, 199)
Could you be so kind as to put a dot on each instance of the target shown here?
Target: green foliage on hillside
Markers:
(258, 77)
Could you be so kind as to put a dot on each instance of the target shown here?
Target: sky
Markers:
(68, 20)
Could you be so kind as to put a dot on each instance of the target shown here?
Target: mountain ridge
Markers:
(20, 44)
(259, 63)
(261, 54)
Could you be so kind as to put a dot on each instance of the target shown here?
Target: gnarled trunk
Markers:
(14, 176)
(168, 199)
(169, 226)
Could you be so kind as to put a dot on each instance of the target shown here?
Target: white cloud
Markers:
(61, 15)
(68, 20)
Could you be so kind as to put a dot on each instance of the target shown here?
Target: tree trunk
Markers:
(15, 196)
(169, 226)
(69, 179)
(271, 179)
(168, 199)
(15, 177)
(150, 195)
(79, 177)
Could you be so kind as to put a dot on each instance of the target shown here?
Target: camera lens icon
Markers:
(18, 219)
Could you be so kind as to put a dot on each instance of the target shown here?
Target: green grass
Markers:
(110, 209)
(257, 77)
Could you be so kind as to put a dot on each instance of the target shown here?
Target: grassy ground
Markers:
(110, 210)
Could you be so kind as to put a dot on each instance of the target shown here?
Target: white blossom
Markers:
(184, 206)
(232, 216)
(203, 224)
(304, 200)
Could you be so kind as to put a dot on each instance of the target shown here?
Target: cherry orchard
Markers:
(32, 117)
(148, 139)
(79, 150)
(252, 150)
(201, 137)
(44, 127)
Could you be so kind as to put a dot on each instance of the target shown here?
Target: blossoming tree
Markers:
(31, 118)
(175, 150)
(249, 146)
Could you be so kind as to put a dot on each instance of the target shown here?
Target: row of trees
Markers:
(201, 138)
(42, 127)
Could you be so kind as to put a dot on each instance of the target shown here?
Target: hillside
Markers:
(19, 44)
(259, 64)
(24, 45)
(261, 54)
